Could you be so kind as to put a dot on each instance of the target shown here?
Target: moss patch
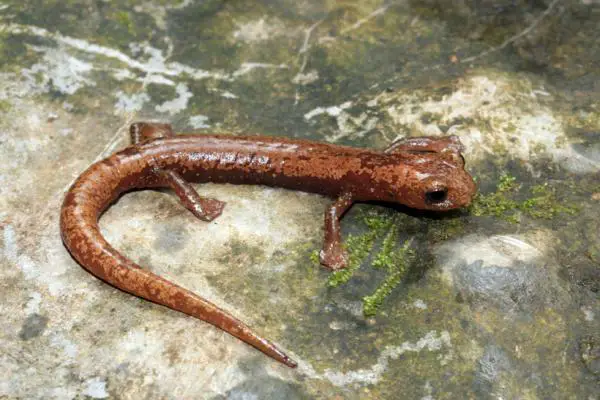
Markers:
(504, 202)
(395, 260)
(396, 263)
(359, 247)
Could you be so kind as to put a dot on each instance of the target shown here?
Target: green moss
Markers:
(498, 203)
(359, 248)
(506, 183)
(385, 258)
(375, 221)
(396, 263)
(543, 202)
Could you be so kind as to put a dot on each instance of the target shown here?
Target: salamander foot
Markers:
(333, 257)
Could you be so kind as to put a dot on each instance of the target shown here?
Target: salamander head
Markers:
(443, 187)
(431, 175)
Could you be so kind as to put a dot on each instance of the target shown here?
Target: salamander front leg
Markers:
(203, 208)
(333, 255)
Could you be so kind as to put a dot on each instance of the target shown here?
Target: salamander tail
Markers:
(83, 239)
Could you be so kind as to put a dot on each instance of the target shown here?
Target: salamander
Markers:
(424, 173)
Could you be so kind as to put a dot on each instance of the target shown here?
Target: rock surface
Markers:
(499, 301)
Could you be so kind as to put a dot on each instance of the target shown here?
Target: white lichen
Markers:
(371, 376)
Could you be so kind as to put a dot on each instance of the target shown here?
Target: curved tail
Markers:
(83, 204)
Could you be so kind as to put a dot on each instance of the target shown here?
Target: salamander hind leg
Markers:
(203, 208)
(141, 131)
(333, 255)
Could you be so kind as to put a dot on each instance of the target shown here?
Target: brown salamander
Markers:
(423, 173)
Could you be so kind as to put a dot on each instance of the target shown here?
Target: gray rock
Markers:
(502, 272)
(33, 326)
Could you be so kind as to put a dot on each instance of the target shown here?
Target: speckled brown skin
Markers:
(423, 173)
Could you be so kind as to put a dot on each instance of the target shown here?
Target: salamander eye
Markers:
(438, 195)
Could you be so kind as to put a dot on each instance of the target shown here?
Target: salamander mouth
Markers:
(436, 196)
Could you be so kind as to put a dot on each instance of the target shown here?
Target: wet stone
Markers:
(502, 272)
(499, 300)
(259, 385)
(491, 367)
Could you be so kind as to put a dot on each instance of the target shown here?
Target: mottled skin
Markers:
(423, 173)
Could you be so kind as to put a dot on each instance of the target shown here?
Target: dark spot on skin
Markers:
(33, 326)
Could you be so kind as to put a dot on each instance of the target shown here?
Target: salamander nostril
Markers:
(437, 195)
